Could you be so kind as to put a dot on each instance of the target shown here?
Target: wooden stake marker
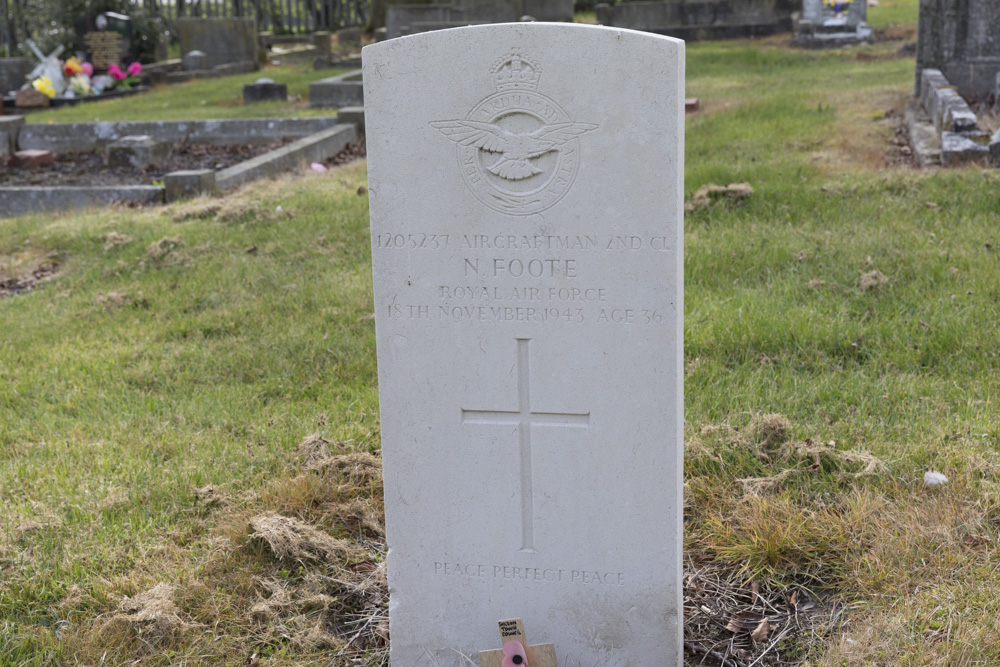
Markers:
(516, 651)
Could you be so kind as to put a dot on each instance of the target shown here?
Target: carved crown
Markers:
(515, 71)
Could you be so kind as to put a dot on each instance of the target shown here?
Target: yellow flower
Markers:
(44, 85)
(72, 67)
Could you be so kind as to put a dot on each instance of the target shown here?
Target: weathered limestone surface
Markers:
(527, 233)
(138, 151)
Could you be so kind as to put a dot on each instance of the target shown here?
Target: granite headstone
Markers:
(107, 40)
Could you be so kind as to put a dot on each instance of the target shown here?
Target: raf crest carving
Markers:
(518, 150)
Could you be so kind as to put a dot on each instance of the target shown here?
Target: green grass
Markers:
(894, 13)
(201, 100)
(126, 382)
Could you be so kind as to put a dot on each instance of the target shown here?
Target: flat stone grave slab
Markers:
(265, 90)
(138, 151)
(526, 221)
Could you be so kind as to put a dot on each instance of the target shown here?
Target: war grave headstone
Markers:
(832, 23)
(526, 220)
(107, 39)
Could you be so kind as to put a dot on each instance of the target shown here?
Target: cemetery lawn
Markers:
(202, 99)
(161, 379)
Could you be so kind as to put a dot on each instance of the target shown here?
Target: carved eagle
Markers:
(517, 150)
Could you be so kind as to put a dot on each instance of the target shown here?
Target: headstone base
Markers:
(29, 98)
(10, 128)
(958, 149)
(138, 151)
(31, 159)
(265, 92)
(189, 183)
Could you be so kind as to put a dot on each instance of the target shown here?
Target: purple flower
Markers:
(135, 69)
(116, 72)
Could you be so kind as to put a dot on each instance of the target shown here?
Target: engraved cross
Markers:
(523, 419)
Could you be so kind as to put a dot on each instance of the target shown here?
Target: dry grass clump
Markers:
(116, 499)
(35, 520)
(769, 432)
(159, 251)
(710, 193)
(197, 211)
(358, 468)
(730, 620)
(210, 496)
(313, 451)
(115, 239)
(233, 207)
(346, 611)
(872, 280)
(120, 299)
(152, 615)
(291, 539)
(237, 208)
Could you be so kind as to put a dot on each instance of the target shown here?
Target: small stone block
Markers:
(10, 129)
(349, 36)
(691, 104)
(189, 183)
(960, 118)
(957, 149)
(31, 159)
(352, 115)
(994, 149)
(29, 98)
(996, 94)
(265, 92)
(138, 151)
(194, 60)
(321, 40)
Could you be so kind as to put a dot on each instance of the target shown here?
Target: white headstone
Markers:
(526, 186)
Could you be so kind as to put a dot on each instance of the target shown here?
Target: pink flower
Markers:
(514, 654)
(135, 69)
(87, 69)
(116, 72)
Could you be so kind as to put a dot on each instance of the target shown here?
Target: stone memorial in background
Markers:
(402, 20)
(223, 41)
(13, 73)
(702, 19)
(526, 226)
(832, 23)
(961, 38)
(265, 90)
(107, 40)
